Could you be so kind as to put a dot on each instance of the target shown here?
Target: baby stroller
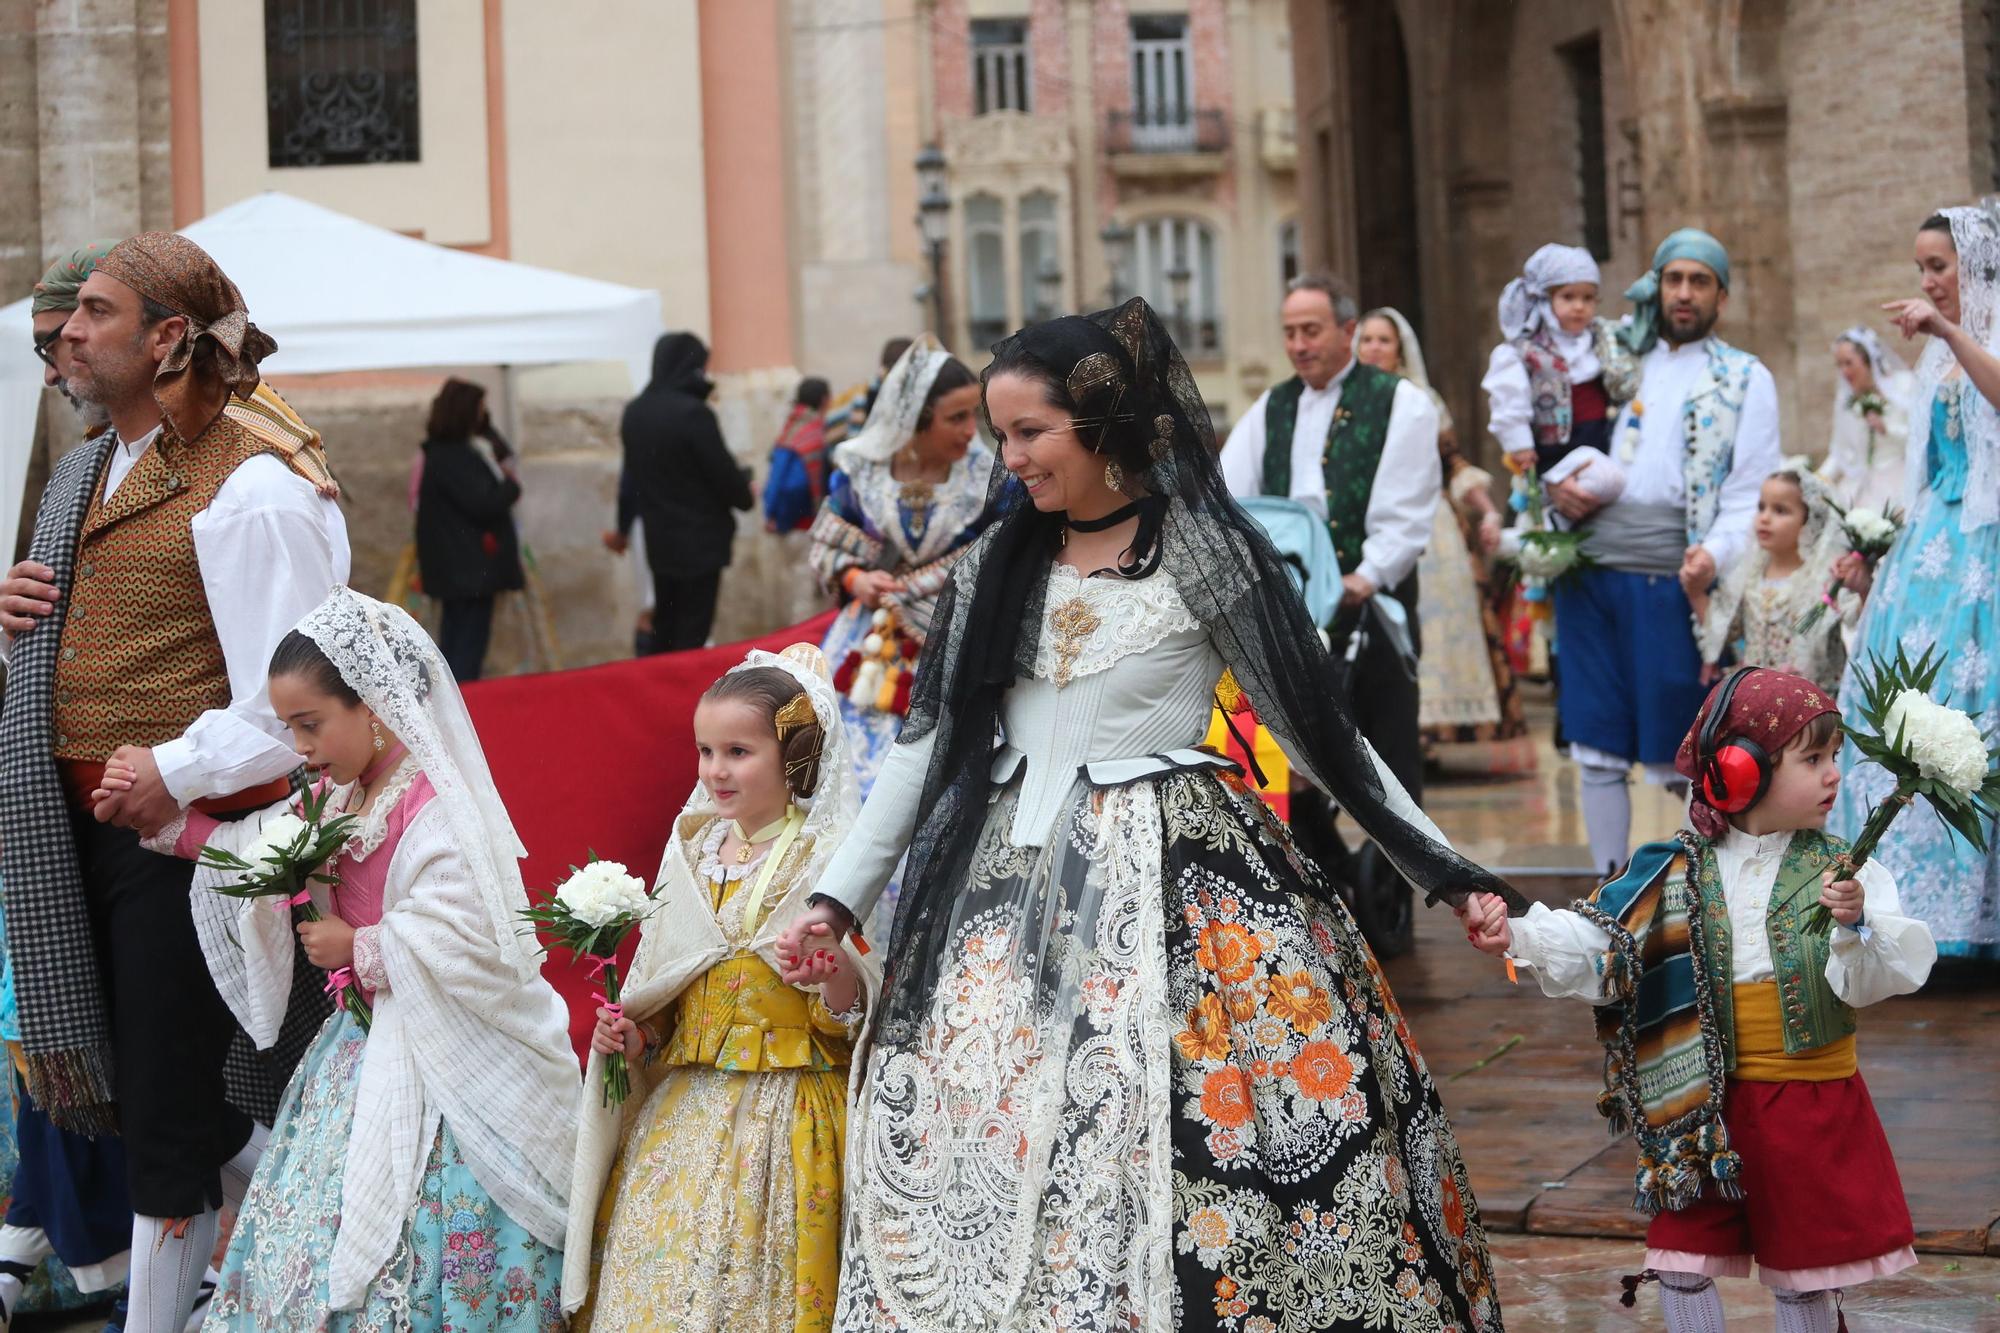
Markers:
(1382, 901)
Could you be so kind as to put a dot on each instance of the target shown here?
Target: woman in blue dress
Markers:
(1940, 585)
(909, 498)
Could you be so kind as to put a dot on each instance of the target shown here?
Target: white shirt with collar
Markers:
(269, 548)
(1511, 402)
(1403, 499)
(1654, 471)
(1890, 954)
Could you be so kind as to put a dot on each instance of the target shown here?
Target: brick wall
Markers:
(951, 57)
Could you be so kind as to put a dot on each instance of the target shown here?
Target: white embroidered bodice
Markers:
(1123, 672)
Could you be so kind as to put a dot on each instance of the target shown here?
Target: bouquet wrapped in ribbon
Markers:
(288, 857)
(1869, 535)
(1549, 557)
(1932, 750)
(590, 914)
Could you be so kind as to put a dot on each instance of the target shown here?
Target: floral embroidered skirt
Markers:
(723, 1210)
(463, 1264)
(1158, 1088)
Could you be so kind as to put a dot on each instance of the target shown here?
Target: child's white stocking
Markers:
(1606, 797)
(1690, 1302)
(1805, 1311)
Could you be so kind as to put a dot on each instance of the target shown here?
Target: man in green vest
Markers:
(1359, 445)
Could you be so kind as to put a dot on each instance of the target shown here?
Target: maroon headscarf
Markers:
(1769, 707)
(218, 354)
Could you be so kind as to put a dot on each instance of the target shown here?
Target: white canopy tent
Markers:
(340, 294)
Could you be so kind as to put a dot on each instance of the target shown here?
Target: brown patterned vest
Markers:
(139, 660)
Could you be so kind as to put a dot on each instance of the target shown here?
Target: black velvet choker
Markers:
(1110, 520)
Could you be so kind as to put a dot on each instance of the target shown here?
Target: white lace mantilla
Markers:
(1092, 623)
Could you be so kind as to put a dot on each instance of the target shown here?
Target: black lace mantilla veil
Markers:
(1133, 389)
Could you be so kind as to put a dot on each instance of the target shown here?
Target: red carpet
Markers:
(599, 760)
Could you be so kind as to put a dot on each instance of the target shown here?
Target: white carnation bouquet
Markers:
(1932, 750)
(591, 913)
(282, 863)
(1548, 556)
(1869, 534)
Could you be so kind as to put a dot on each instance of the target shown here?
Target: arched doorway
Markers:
(1385, 152)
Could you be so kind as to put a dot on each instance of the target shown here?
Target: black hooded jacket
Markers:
(679, 477)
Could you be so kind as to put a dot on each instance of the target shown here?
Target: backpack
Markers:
(791, 500)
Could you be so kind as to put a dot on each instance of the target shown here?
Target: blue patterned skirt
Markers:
(463, 1264)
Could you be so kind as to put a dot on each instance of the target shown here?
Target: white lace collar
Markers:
(375, 824)
(1089, 624)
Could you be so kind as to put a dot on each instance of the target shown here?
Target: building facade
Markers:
(1170, 123)
(1442, 141)
(747, 159)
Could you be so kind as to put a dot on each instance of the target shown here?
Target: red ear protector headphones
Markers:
(1734, 775)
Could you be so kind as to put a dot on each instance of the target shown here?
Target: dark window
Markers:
(1585, 62)
(1000, 66)
(1162, 82)
(342, 81)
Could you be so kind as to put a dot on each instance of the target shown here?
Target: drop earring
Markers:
(1114, 476)
(376, 727)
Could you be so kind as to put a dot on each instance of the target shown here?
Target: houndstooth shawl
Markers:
(65, 1024)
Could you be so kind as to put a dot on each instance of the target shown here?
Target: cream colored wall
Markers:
(604, 136)
(443, 198)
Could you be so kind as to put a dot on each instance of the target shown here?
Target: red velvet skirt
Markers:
(1820, 1187)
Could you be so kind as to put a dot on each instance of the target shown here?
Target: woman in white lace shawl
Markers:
(417, 1175)
(1940, 584)
(722, 1208)
(1871, 422)
(1466, 684)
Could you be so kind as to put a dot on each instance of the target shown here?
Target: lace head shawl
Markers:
(830, 810)
(898, 405)
(1134, 401)
(1411, 359)
(1976, 237)
(1822, 541)
(1891, 375)
(387, 659)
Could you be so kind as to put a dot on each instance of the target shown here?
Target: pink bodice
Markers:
(357, 897)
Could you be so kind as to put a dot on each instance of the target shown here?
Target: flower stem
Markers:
(1819, 920)
(617, 1079)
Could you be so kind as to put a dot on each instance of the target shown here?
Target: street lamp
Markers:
(1179, 279)
(934, 223)
(1117, 249)
(1048, 289)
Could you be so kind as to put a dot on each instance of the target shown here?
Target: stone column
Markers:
(89, 71)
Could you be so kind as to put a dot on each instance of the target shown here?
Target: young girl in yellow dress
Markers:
(722, 1208)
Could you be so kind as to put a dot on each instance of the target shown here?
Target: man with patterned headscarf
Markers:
(169, 557)
(1696, 445)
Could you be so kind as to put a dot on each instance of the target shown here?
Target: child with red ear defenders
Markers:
(1728, 1024)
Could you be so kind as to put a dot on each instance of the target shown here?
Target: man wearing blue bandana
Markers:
(1696, 444)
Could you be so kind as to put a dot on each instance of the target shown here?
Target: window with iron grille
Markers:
(1584, 59)
(1162, 82)
(341, 81)
(1000, 79)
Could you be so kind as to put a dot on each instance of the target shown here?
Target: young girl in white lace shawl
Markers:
(1760, 603)
(722, 1210)
(414, 1177)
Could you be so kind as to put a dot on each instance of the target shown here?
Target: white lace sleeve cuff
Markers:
(167, 841)
(368, 966)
